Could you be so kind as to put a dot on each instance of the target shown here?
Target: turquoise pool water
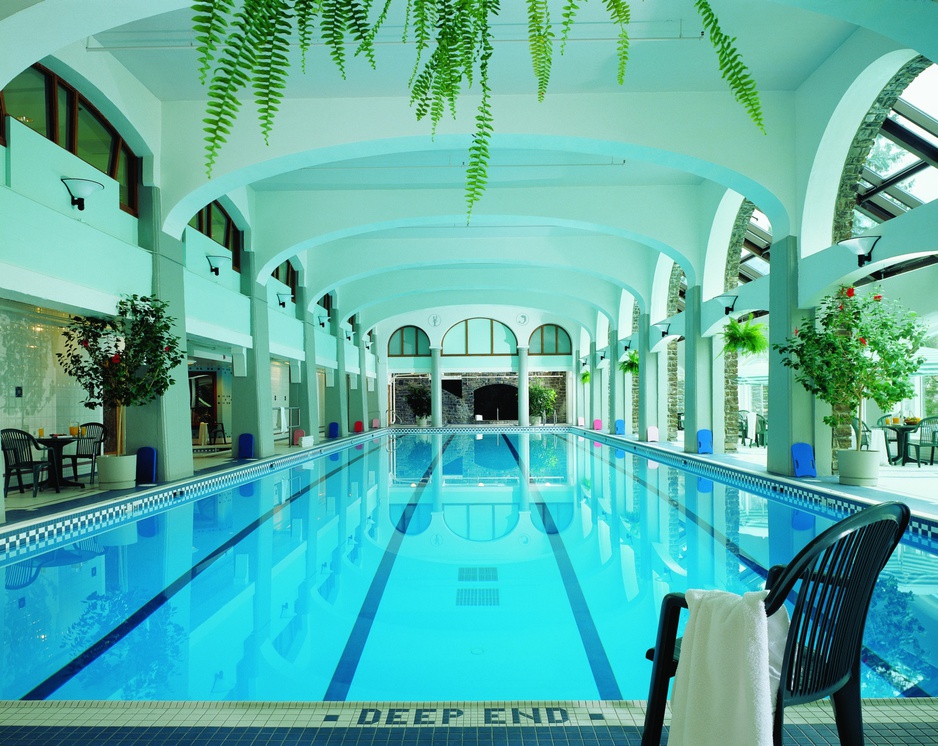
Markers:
(432, 566)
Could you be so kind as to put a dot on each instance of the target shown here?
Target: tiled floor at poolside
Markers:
(555, 723)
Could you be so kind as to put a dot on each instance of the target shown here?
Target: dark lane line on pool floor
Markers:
(83, 660)
(603, 675)
(341, 682)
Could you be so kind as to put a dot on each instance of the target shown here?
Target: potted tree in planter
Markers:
(541, 400)
(419, 400)
(122, 362)
(859, 347)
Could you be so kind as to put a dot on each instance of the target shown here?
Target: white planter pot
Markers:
(423, 421)
(117, 472)
(537, 419)
(859, 468)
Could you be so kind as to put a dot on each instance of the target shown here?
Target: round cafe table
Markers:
(902, 442)
(56, 444)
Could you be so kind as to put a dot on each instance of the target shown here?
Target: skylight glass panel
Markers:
(923, 186)
(861, 223)
(887, 158)
(913, 127)
(923, 91)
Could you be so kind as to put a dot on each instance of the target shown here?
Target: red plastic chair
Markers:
(298, 435)
(359, 426)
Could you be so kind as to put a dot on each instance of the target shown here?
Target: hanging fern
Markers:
(747, 338)
(271, 62)
(541, 43)
(453, 44)
(209, 22)
(734, 71)
(630, 364)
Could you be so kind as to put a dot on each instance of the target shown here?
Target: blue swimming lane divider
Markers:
(592, 643)
(341, 681)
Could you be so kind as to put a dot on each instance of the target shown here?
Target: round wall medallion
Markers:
(522, 319)
(434, 320)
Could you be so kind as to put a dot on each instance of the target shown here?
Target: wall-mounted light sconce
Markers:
(322, 322)
(79, 189)
(348, 336)
(662, 326)
(282, 299)
(215, 261)
(626, 346)
(728, 301)
(862, 246)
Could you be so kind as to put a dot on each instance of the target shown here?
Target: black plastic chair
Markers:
(862, 431)
(830, 583)
(18, 447)
(214, 430)
(88, 447)
(762, 431)
(927, 438)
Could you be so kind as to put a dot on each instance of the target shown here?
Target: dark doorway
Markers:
(202, 397)
(497, 401)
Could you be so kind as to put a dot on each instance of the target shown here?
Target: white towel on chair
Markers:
(727, 677)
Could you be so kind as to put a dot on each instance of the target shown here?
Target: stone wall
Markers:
(457, 411)
(675, 379)
(863, 142)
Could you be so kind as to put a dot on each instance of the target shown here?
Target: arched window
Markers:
(213, 221)
(44, 102)
(549, 339)
(480, 337)
(287, 275)
(409, 341)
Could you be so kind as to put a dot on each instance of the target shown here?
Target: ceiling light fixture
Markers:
(80, 189)
(862, 246)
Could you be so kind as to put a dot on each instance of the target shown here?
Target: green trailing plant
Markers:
(858, 347)
(541, 399)
(244, 43)
(630, 364)
(123, 361)
(585, 376)
(747, 338)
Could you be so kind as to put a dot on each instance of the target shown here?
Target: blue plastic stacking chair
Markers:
(146, 465)
(620, 427)
(245, 446)
(333, 431)
(802, 458)
(704, 441)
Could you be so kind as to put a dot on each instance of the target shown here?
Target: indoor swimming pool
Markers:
(421, 566)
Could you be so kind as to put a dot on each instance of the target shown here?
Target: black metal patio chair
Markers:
(830, 583)
(88, 447)
(927, 439)
(19, 448)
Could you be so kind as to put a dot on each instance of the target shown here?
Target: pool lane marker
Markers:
(58, 679)
(592, 643)
(341, 682)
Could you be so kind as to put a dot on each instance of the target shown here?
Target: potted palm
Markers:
(419, 400)
(541, 400)
(121, 362)
(859, 347)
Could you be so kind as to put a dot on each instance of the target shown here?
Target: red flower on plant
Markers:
(851, 292)
(877, 297)
(796, 331)
(84, 343)
(166, 349)
(116, 359)
(862, 340)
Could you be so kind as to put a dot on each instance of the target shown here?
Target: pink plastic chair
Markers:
(298, 435)
(375, 423)
(597, 424)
